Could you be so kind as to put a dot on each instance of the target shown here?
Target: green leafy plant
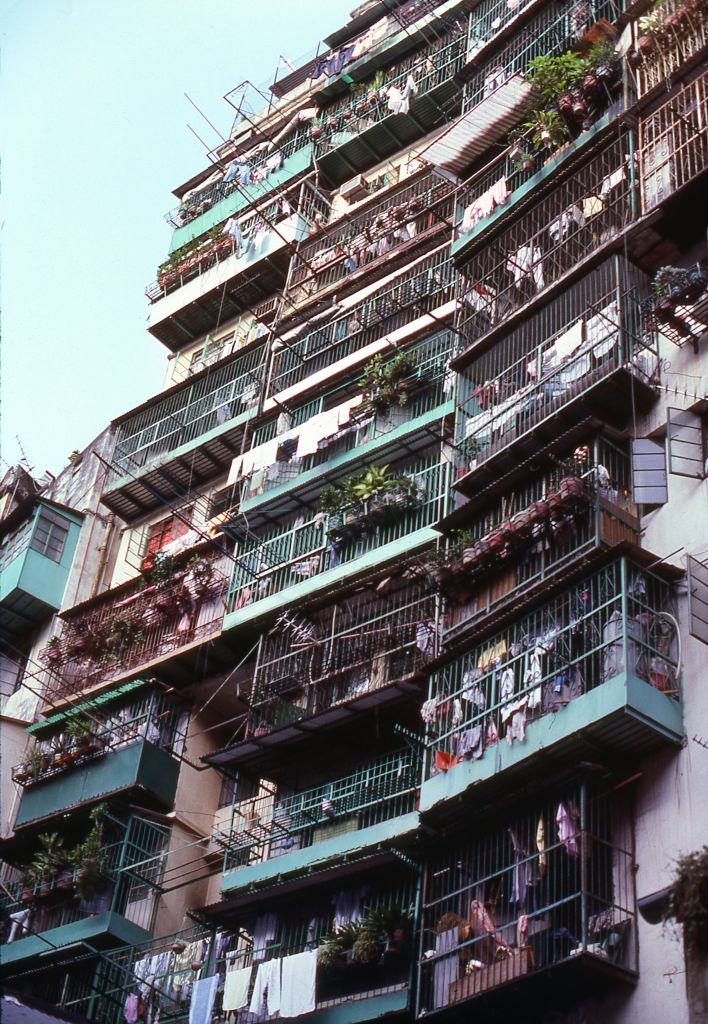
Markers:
(31, 765)
(688, 902)
(553, 75)
(383, 382)
(602, 55)
(48, 860)
(545, 131)
(86, 856)
(335, 945)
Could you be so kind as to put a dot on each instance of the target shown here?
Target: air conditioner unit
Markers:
(355, 188)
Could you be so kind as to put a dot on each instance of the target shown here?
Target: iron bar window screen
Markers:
(589, 332)
(697, 573)
(549, 884)
(676, 49)
(345, 638)
(539, 529)
(686, 443)
(15, 542)
(550, 31)
(580, 215)
(194, 409)
(272, 825)
(422, 289)
(649, 479)
(673, 145)
(430, 386)
(301, 548)
(620, 621)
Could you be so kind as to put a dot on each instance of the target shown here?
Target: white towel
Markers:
(236, 989)
(202, 1001)
(266, 989)
(567, 343)
(297, 995)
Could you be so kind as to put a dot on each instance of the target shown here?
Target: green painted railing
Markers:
(428, 285)
(620, 620)
(273, 562)
(268, 827)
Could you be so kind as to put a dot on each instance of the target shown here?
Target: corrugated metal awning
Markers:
(86, 705)
(484, 124)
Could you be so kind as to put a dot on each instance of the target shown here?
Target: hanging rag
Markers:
(470, 743)
(347, 906)
(202, 1002)
(526, 262)
(569, 341)
(516, 729)
(20, 922)
(564, 225)
(266, 989)
(232, 229)
(428, 710)
(533, 677)
(566, 820)
(236, 984)
(541, 846)
(130, 1009)
(446, 968)
(263, 932)
(297, 985)
(506, 692)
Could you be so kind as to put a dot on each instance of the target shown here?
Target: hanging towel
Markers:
(263, 933)
(541, 846)
(566, 820)
(569, 341)
(202, 1002)
(266, 989)
(236, 989)
(297, 986)
(446, 968)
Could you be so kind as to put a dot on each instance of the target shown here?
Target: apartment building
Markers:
(361, 679)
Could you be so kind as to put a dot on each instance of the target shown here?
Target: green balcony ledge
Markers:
(355, 1011)
(623, 715)
(315, 857)
(164, 461)
(141, 766)
(100, 932)
(399, 548)
(461, 245)
(247, 195)
(32, 585)
(363, 453)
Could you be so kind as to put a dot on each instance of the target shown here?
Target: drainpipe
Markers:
(584, 863)
(421, 887)
(103, 554)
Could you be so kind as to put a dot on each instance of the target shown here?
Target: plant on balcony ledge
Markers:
(673, 287)
(82, 737)
(688, 902)
(86, 857)
(386, 383)
(47, 863)
(30, 767)
(660, 29)
(363, 502)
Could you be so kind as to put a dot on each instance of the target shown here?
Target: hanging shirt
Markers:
(265, 997)
(541, 846)
(566, 820)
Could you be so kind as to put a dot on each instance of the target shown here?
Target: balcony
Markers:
(672, 145)
(36, 553)
(595, 668)
(409, 304)
(552, 526)
(278, 837)
(297, 559)
(383, 434)
(585, 353)
(184, 437)
(115, 906)
(137, 625)
(362, 129)
(318, 671)
(223, 278)
(267, 171)
(127, 749)
(514, 913)
(554, 239)
(390, 228)
(675, 43)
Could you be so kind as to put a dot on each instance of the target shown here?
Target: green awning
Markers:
(48, 724)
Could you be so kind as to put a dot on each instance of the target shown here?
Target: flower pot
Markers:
(45, 888)
(590, 85)
(539, 510)
(469, 556)
(495, 542)
(696, 282)
(555, 501)
(26, 894)
(527, 164)
(521, 521)
(605, 74)
(65, 879)
(665, 310)
(645, 46)
(565, 103)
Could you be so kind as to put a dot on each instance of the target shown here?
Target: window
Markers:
(50, 534)
(163, 533)
(686, 443)
(649, 481)
(228, 792)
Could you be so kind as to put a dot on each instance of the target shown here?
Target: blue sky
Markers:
(94, 137)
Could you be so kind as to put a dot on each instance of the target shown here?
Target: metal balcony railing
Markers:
(619, 619)
(424, 288)
(343, 641)
(429, 67)
(547, 524)
(268, 827)
(681, 38)
(579, 216)
(430, 386)
(152, 717)
(673, 144)
(57, 901)
(124, 630)
(197, 257)
(553, 884)
(190, 412)
(370, 237)
(583, 337)
(296, 551)
(260, 163)
(551, 30)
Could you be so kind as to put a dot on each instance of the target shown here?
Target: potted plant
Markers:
(47, 861)
(80, 733)
(688, 899)
(52, 653)
(602, 64)
(30, 767)
(86, 857)
(553, 76)
(546, 131)
(61, 754)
